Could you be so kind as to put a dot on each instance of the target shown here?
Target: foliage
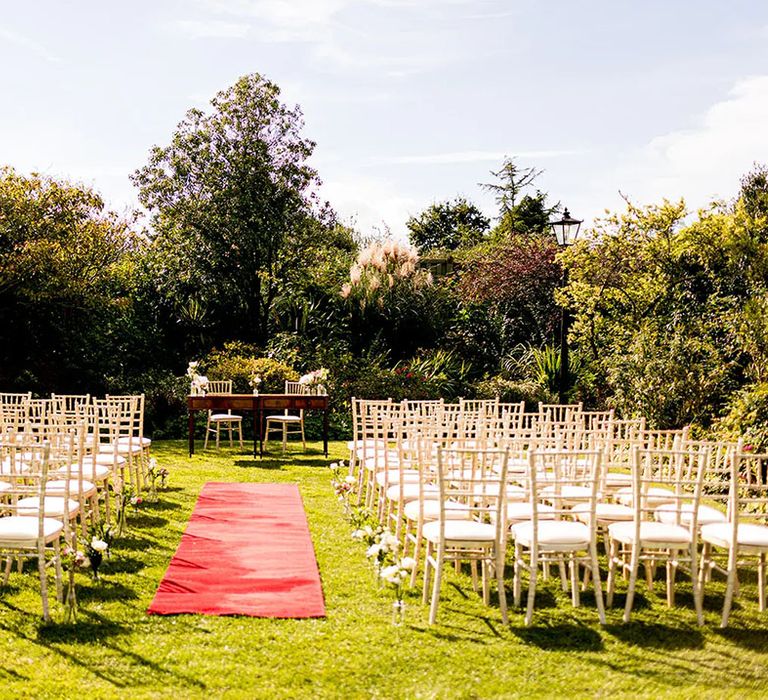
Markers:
(233, 212)
(66, 278)
(448, 226)
(747, 417)
(514, 391)
(655, 303)
(239, 362)
(527, 215)
(516, 278)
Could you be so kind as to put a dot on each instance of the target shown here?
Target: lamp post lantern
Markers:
(566, 232)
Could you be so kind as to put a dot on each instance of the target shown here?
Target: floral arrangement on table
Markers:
(199, 382)
(396, 575)
(255, 382)
(315, 380)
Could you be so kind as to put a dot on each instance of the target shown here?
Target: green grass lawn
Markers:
(117, 650)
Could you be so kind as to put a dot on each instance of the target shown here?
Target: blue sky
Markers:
(409, 101)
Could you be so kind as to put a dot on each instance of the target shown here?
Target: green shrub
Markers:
(239, 362)
(513, 391)
(747, 417)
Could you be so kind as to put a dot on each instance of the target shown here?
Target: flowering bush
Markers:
(240, 363)
(316, 379)
(385, 266)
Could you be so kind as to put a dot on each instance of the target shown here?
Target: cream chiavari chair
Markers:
(625, 434)
(25, 536)
(121, 436)
(660, 477)
(743, 537)
(560, 413)
(287, 423)
(228, 420)
(482, 492)
(556, 481)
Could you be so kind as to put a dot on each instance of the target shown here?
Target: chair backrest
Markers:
(295, 388)
(219, 386)
(560, 472)
(473, 481)
(749, 488)
(560, 413)
(670, 480)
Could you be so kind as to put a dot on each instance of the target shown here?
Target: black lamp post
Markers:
(566, 232)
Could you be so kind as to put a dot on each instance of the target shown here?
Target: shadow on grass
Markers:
(105, 591)
(560, 637)
(89, 628)
(98, 629)
(131, 541)
(120, 564)
(753, 639)
(258, 464)
(656, 636)
(9, 674)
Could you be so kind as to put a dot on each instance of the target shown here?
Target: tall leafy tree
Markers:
(448, 226)
(66, 275)
(233, 209)
(519, 211)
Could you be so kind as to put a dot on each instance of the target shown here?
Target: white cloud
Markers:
(471, 157)
(29, 44)
(370, 204)
(704, 162)
(195, 29)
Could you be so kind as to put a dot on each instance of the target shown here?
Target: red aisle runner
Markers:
(246, 551)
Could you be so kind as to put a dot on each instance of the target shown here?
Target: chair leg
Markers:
(436, 585)
(634, 564)
(218, 434)
(731, 585)
(516, 583)
(596, 582)
(427, 573)
(500, 556)
(612, 562)
(697, 597)
(574, 566)
(43, 586)
(240, 432)
(57, 569)
(303, 440)
(532, 585)
(230, 428)
(285, 437)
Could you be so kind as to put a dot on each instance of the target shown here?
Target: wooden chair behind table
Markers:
(228, 420)
(288, 423)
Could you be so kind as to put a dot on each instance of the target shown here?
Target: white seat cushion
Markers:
(59, 485)
(460, 531)
(20, 466)
(656, 496)
(615, 480)
(651, 533)
(748, 535)
(22, 530)
(279, 419)
(553, 534)
(411, 491)
(122, 448)
(567, 492)
(378, 462)
(105, 459)
(54, 507)
(393, 476)
(453, 511)
(91, 471)
(707, 514)
(604, 512)
(519, 511)
(4, 487)
(144, 441)
(226, 417)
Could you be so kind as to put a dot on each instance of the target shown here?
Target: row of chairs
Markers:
(459, 481)
(60, 460)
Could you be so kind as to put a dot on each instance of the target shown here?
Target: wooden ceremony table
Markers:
(259, 405)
